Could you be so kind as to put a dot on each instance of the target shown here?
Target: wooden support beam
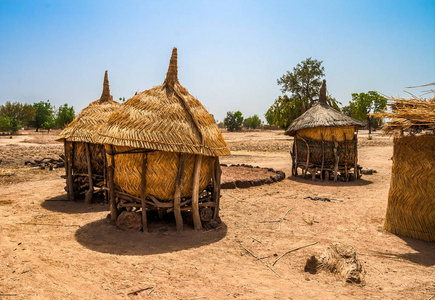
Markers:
(296, 156)
(143, 194)
(68, 169)
(177, 194)
(217, 173)
(355, 177)
(106, 198)
(323, 157)
(112, 196)
(195, 192)
(90, 192)
(336, 159)
(345, 157)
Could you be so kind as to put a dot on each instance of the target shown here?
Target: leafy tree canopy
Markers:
(44, 115)
(14, 115)
(364, 104)
(64, 115)
(233, 121)
(252, 122)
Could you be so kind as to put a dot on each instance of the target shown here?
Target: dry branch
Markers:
(292, 250)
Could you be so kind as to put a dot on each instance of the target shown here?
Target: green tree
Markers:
(44, 116)
(304, 82)
(252, 122)
(16, 115)
(233, 121)
(364, 104)
(64, 115)
(5, 124)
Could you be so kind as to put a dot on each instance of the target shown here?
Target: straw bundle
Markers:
(411, 199)
(409, 114)
(80, 164)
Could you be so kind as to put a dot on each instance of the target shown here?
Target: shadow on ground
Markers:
(425, 251)
(103, 236)
(359, 182)
(63, 205)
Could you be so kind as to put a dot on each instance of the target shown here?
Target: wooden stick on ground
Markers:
(282, 219)
(257, 258)
(292, 250)
(135, 293)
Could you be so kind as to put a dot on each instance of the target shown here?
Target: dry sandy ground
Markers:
(54, 249)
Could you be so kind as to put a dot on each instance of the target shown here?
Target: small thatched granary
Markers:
(411, 199)
(325, 141)
(85, 160)
(163, 151)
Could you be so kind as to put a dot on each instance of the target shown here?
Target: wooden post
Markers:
(143, 194)
(113, 205)
(217, 173)
(336, 159)
(105, 175)
(292, 155)
(296, 156)
(323, 158)
(68, 169)
(195, 192)
(90, 192)
(345, 157)
(177, 194)
(355, 177)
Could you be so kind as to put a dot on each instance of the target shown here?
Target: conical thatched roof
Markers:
(84, 127)
(165, 118)
(322, 115)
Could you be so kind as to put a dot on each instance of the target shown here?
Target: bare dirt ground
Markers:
(54, 249)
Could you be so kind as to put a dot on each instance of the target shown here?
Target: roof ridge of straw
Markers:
(105, 95)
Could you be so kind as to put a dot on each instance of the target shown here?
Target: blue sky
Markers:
(230, 53)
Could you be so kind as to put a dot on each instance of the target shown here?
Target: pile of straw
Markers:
(409, 114)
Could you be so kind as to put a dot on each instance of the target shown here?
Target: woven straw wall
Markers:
(340, 133)
(80, 164)
(411, 199)
(162, 168)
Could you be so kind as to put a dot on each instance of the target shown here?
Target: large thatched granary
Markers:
(163, 151)
(325, 141)
(411, 199)
(85, 161)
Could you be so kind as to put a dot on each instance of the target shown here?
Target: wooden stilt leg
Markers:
(68, 170)
(355, 177)
(143, 194)
(106, 198)
(323, 158)
(111, 169)
(336, 159)
(177, 194)
(90, 192)
(217, 173)
(195, 192)
(296, 156)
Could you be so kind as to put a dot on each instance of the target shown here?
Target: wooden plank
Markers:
(177, 194)
(143, 194)
(217, 174)
(90, 192)
(195, 192)
(112, 197)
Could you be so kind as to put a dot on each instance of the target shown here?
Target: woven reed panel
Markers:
(411, 199)
(80, 163)
(162, 169)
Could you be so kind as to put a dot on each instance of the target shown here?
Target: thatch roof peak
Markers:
(172, 74)
(165, 118)
(322, 93)
(105, 95)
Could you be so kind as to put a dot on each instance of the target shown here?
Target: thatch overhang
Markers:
(165, 118)
(84, 127)
(322, 115)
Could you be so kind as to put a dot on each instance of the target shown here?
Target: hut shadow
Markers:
(426, 251)
(103, 236)
(300, 179)
(62, 204)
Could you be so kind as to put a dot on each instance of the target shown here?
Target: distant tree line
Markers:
(40, 115)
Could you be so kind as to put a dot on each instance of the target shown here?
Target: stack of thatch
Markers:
(325, 141)
(163, 150)
(411, 199)
(85, 158)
